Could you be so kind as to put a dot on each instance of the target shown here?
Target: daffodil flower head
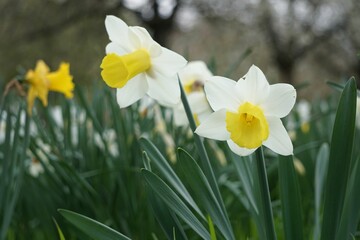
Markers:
(247, 113)
(41, 81)
(136, 65)
(193, 77)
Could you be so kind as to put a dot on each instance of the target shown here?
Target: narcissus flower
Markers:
(136, 65)
(247, 113)
(42, 81)
(192, 78)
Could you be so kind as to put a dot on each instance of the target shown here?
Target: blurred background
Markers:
(296, 41)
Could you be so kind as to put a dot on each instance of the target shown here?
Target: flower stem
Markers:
(204, 159)
(265, 202)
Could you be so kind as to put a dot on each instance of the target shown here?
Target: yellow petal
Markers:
(248, 127)
(61, 80)
(118, 70)
(41, 68)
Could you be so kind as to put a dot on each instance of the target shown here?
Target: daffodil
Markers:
(136, 65)
(41, 81)
(247, 113)
(193, 77)
(304, 108)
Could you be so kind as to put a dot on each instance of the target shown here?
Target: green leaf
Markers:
(166, 218)
(174, 202)
(339, 161)
(290, 199)
(263, 193)
(212, 229)
(321, 167)
(12, 169)
(351, 215)
(61, 235)
(245, 169)
(202, 188)
(92, 228)
(168, 173)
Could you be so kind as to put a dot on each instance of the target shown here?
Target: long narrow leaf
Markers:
(339, 161)
(166, 218)
(174, 202)
(91, 227)
(351, 215)
(290, 199)
(202, 188)
(321, 167)
(168, 173)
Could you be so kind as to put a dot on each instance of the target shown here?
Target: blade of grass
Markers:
(202, 188)
(61, 235)
(339, 161)
(13, 181)
(265, 201)
(351, 215)
(321, 167)
(166, 218)
(212, 229)
(290, 199)
(168, 173)
(174, 202)
(91, 227)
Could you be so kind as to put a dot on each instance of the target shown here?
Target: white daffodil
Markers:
(247, 113)
(136, 65)
(192, 78)
(304, 109)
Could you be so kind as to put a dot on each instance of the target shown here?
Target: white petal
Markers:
(280, 101)
(168, 63)
(180, 118)
(195, 70)
(239, 150)
(142, 39)
(198, 102)
(255, 87)
(113, 47)
(165, 90)
(118, 31)
(278, 140)
(147, 42)
(221, 93)
(133, 90)
(214, 126)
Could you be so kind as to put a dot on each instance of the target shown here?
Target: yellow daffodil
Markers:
(42, 81)
(192, 78)
(136, 65)
(247, 113)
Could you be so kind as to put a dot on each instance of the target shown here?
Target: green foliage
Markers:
(92, 228)
(339, 162)
(87, 155)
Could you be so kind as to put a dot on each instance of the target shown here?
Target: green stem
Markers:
(265, 202)
(204, 159)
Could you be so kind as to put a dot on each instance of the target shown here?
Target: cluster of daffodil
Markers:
(246, 113)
